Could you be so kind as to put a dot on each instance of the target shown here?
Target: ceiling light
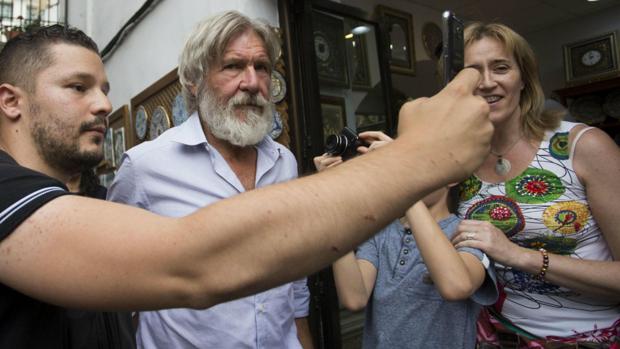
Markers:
(359, 30)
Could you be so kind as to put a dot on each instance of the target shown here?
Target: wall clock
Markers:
(592, 59)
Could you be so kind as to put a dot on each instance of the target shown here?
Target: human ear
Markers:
(10, 100)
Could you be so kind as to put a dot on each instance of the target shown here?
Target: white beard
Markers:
(225, 125)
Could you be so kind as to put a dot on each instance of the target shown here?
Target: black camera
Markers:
(343, 144)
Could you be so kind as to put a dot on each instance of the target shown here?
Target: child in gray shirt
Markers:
(418, 290)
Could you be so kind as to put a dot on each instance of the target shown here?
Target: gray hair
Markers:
(208, 41)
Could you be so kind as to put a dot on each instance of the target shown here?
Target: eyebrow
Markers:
(495, 61)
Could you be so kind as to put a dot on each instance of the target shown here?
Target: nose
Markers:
(487, 81)
(249, 80)
(101, 105)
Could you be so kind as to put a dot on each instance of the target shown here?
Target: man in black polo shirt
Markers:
(61, 251)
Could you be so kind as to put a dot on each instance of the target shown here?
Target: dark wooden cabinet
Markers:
(602, 88)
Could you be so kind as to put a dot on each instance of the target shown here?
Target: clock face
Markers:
(591, 57)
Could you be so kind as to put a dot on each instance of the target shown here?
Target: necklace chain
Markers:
(507, 150)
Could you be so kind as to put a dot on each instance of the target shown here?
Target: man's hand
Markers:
(454, 122)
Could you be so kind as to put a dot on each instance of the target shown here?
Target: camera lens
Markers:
(336, 144)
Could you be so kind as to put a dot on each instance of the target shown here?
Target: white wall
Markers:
(152, 48)
(548, 44)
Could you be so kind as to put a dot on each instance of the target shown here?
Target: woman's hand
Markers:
(375, 139)
(487, 238)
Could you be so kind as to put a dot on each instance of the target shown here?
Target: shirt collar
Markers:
(190, 133)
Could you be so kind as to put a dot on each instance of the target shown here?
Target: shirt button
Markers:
(261, 308)
(402, 262)
(407, 239)
(406, 251)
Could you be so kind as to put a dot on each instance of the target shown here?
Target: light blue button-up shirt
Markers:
(175, 175)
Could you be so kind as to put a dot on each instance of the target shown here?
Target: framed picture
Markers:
(330, 49)
(108, 148)
(120, 119)
(371, 122)
(360, 75)
(399, 26)
(592, 59)
(334, 115)
(119, 145)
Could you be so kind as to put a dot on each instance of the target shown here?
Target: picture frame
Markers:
(370, 122)
(399, 27)
(333, 114)
(108, 148)
(118, 119)
(360, 73)
(591, 59)
(119, 141)
(330, 50)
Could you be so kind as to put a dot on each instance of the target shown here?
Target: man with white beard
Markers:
(220, 151)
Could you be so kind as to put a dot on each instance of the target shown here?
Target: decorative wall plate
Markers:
(278, 87)
(611, 106)
(141, 122)
(276, 130)
(160, 122)
(588, 109)
(179, 112)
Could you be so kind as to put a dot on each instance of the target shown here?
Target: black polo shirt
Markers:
(31, 324)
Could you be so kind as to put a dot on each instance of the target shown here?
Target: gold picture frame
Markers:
(592, 59)
(334, 115)
(399, 26)
(118, 123)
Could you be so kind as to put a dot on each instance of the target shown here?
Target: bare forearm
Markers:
(449, 273)
(106, 256)
(595, 278)
(350, 285)
(281, 225)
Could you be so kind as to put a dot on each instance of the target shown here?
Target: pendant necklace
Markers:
(503, 166)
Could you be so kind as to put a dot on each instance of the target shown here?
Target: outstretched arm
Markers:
(86, 253)
(457, 275)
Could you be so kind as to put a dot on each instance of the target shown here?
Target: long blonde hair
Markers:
(534, 119)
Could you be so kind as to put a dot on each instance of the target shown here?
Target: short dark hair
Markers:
(25, 55)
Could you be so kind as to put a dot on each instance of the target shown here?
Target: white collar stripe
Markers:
(4, 215)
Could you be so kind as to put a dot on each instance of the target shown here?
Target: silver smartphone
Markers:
(453, 48)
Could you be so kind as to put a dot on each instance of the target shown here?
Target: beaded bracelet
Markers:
(545, 265)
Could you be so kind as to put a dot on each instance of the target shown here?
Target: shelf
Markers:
(580, 90)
